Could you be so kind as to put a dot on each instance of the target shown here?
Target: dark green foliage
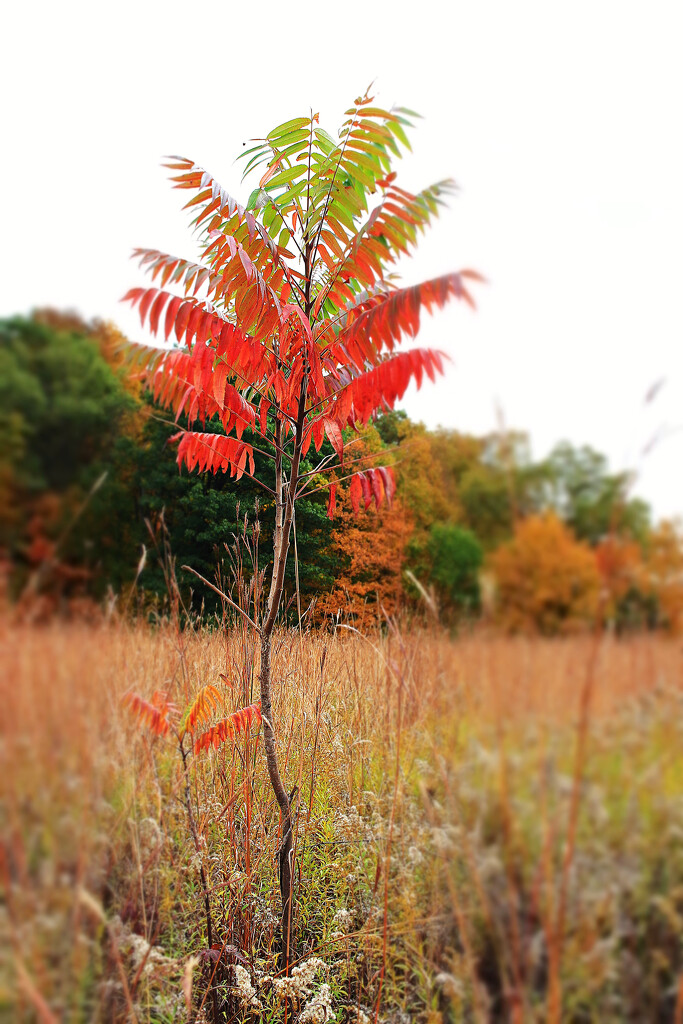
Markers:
(61, 405)
(204, 513)
(636, 611)
(63, 412)
(456, 557)
(450, 561)
(388, 425)
(68, 419)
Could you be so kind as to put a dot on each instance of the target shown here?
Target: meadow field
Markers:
(487, 828)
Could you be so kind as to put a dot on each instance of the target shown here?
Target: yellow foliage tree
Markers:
(663, 573)
(547, 581)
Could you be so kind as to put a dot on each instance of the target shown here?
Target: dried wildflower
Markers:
(137, 947)
(265, 917)
(343, 919)
(449, 985)
(150, 835)
(414, 856)
(350, 825)
(243, 987)
(443, 839)
(298, 984)
(318, 1009)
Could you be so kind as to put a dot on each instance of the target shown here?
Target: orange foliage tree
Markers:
(370, 553)
(547, 581)
(620, 567)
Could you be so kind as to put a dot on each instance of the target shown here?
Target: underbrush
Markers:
(435, 785)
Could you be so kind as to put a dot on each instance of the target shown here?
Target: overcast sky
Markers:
(561, 122)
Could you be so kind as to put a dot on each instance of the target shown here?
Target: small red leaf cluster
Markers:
(372, 485)
(229, 727)
(214, 452)
(205, 702)
(154, 714)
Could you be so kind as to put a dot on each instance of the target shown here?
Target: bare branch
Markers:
(322, 468)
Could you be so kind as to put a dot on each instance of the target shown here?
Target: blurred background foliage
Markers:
(87, 475)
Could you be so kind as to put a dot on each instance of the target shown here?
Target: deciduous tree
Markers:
(290, 324)
(547, 580)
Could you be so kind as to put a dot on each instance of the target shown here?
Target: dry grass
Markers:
(434, 790)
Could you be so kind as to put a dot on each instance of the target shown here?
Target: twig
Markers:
(223, 595)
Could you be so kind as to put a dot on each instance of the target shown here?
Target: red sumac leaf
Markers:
(239, 721)
(389, 481)
(182, 318)
(332, 501)
(377, 488)
(318, 431)
(145, 303)
(154, 713)
(155, 313)
(367, 491)
(220, 376)
(334, 435)
(263, 415)
(171, 312)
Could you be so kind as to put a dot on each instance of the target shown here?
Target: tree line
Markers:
(93, 507)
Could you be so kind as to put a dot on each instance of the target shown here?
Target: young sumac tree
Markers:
(289, 326)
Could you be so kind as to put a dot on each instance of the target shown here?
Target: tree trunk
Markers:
(284, 802)
(285, 498)
(283, 523)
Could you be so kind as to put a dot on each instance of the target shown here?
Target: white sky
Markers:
(560, 121)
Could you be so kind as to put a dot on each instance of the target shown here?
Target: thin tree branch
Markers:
(351, 248)
(339, 480)
(224, 596)
(322, 468)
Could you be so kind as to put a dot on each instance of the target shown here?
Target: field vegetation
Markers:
(440, 874)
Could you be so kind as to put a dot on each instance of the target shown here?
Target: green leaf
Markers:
(288, 126)
(400, 134)
(258, 198)
(253, 149)
(326, 141)
(356, 171)
(377, 112)
(259, 158)
(343, 216)
(371, 162)
(269, 215)
(290, 139)
(286, 197)
(295, 149)
(284, 177)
